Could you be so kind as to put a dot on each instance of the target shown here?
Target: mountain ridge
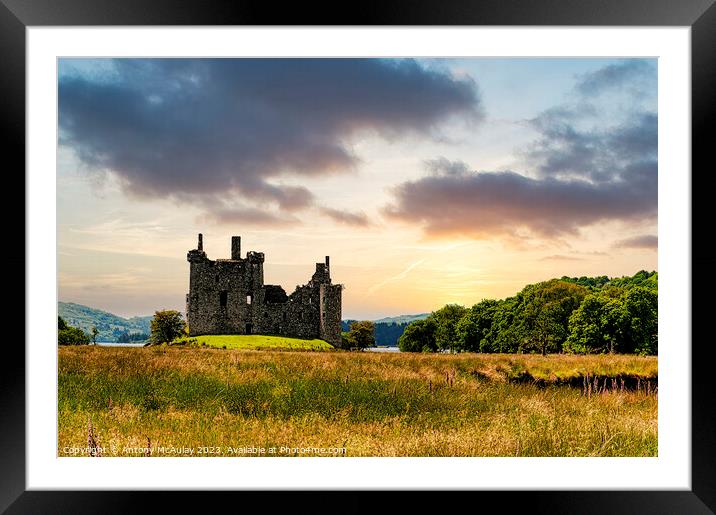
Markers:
(110, 326)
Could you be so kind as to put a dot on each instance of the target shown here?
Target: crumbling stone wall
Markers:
(228, 296)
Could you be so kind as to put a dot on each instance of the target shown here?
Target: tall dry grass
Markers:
(371, 404)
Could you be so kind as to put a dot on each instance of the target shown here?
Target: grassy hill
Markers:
(255, 341)
(110, 326)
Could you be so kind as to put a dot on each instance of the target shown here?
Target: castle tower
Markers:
(236, 247)
(330, 312)
(329, 298)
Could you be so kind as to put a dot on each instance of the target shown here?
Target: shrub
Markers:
(72, 336)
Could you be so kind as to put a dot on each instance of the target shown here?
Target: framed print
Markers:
(414, 250)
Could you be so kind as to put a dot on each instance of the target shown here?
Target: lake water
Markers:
(383, 349)
(116, 344)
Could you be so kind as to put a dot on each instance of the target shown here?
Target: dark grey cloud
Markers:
(631, 74)
(358, 219)
(646, 241)
(211, 131)
(566, 150)
(487, 204)
(443, 166)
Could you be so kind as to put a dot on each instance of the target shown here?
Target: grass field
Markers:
(153, 401)
(255, 341)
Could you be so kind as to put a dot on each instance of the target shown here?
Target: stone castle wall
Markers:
(228, 296)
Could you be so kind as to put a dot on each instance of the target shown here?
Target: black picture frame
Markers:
(700, 15)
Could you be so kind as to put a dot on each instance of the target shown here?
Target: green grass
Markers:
(255, 341)
(371, 404)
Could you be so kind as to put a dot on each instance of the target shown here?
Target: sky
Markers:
(427, 181)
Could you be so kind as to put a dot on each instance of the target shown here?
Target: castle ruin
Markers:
(228, 296)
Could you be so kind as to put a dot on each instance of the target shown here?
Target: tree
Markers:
(468, 332)
(508, 331)
(547, 329)
(586, 327)
(166, 326)
(361, 334)
(548, 306)
(95, 332)
(474, 330)
(446, 320)
(419, 336)
(615, 325)
(61, 324)
(641, 305)
(72, 336)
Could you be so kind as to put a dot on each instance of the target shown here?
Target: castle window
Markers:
(217, 278)
(222, 298)
(249, 298)
(300, 315)
(284, 316)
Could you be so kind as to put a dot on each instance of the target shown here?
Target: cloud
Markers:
(217, 131)
(248, 216)
(564, 150)
(486, 204)
(443, 166)
(646, 241)
(630, 73)
(584, 167)
(346, 217)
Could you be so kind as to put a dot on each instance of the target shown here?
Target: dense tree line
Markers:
(386, 333)
(573, 315)
(126, 337)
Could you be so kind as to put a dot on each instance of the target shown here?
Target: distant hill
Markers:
(401, 319)
(110, 326)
